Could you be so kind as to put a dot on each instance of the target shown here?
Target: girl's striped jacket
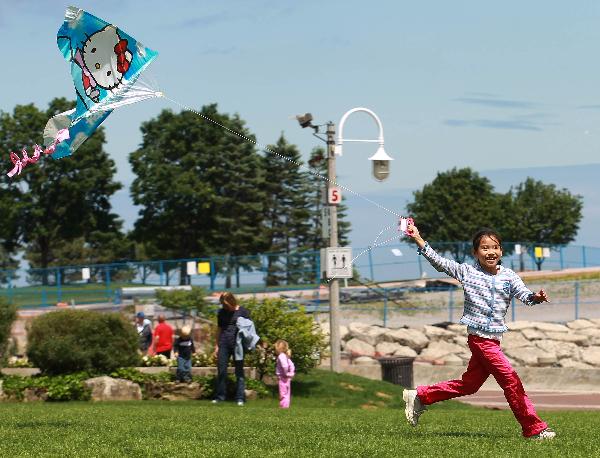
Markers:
(487, 296)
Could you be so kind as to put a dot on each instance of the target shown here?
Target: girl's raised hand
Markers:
(412, 231)
(540, 297)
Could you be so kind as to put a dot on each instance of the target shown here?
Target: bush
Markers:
(69, 341)
(8, 314)
(59, 388)
(183, 301)
(274, 319)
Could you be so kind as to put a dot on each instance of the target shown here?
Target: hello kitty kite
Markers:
(105, 64)
(104, 59)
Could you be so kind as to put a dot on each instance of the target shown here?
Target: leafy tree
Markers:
(200, 188)
(287, 212)
(8, 314)
(186, 302)
(9, 228)
(454, 206)
(274, 319)
(58, 200)
(541, 214)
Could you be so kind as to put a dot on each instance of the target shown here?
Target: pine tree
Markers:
(287, 213)
(201, 189)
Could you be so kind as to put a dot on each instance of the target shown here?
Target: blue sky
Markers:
(487, 85)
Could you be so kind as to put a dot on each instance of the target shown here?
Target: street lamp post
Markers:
(334, 283)
(380, 172)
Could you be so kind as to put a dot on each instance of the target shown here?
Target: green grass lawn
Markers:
(331, 415)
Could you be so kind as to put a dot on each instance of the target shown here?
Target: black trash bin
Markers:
(397, 370)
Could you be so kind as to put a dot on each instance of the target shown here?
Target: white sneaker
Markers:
(548, 433)
(240, 403)
(414, 408)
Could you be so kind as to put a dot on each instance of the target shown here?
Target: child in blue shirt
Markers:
(488, 289)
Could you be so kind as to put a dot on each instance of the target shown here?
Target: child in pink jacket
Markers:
(285, 371)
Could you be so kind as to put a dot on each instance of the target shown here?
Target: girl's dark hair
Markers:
(229, 299)
(485, 233)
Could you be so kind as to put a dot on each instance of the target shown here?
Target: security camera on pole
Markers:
(334, 197)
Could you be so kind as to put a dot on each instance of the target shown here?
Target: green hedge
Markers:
(58, 388)
(69, 341)
(8, 314)
(274, 319)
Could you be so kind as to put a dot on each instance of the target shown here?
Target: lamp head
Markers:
(305, 120)
(381, 164)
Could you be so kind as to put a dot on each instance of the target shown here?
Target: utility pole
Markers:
(334, 284)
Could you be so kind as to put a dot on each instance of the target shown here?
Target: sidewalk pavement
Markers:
(542, 400)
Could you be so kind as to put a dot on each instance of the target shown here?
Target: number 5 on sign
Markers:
(334, 195)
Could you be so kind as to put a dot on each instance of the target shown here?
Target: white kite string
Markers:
(185, 107)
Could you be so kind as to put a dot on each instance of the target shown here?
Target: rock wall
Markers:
(575, 344)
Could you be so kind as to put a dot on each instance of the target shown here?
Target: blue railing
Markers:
(268, 271)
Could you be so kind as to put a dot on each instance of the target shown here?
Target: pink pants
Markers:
(487, 358)
(285, 392)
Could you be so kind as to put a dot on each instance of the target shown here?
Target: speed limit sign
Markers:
(334, 195)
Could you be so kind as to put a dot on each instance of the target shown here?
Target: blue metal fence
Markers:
(569, 300)
(274, 271)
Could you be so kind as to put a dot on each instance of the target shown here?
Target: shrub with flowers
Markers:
(15, 361)
(155, 361)
(204, 360)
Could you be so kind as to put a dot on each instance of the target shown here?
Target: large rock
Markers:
(325, 327)
(369, 334)
(250, 395)
(453, 360)
(551, 327)
(514, 339)
(578, 339)
(531, 356)
(364, 361)
(359, 347)
(437, 333)
(465, 356)
(411, 337)
(461, 340)
(437, 350)
(574, 364)
(577, 325)
(562, 350)
(113, 389)
(405, 352)
(520, 325)
(388, 348)
(533, 334)
(590, 332)
(35, 394)
(171, 391)
(457, 329)
(591, 355)
(344, 332)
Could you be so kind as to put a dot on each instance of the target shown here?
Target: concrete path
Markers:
(542, 400)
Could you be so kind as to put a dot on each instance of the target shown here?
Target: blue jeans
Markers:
(226, 352)
(184, 369)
